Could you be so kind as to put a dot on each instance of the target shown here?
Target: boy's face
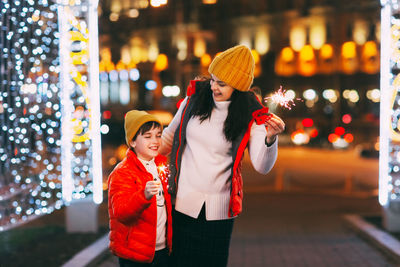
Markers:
(147, 144)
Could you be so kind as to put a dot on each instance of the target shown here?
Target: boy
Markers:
(139, 205)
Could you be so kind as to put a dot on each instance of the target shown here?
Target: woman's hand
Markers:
(275, 126)
(151, 189)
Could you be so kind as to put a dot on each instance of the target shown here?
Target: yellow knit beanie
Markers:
(134, 119)
(235, 67)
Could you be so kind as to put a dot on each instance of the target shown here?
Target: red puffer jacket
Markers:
(133, 218)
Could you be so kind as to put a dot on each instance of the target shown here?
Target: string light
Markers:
(30, 57)
(389, 181)
(81, 165)
(31, 108)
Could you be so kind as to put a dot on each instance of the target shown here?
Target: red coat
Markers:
(133, 218)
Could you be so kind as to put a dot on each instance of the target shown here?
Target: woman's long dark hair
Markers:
(239, 110)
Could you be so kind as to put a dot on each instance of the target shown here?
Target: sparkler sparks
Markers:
(164, 173)
(280, 98)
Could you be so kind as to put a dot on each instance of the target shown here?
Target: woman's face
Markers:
(221, 91)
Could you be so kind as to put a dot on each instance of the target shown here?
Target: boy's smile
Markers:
(147, 144)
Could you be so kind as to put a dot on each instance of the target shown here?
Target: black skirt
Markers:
(197, 242)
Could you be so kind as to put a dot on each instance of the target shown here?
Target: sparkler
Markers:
(280, 98)
(164, 173)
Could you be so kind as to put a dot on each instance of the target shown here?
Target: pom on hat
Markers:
(134, 119)
(235, 67)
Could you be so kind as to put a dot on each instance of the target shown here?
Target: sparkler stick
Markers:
(279, 97)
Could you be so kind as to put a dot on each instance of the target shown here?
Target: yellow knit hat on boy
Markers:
(134, 119)
(235, 67)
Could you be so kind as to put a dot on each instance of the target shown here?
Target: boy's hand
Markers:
(151, 189)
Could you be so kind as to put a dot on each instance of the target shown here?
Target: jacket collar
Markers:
(133, 159)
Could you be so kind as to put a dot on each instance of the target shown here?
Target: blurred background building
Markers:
(324, 53)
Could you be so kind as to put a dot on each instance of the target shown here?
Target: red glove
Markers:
(261, 116)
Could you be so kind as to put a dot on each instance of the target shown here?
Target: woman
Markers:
(207, 137)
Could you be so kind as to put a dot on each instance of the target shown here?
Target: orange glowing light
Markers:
(205, 60)
(287, 54)
(376, 146)
(326, 51)
(333, 138)
(158, 3)
(307, 53)
(112, 161)
(120, 66)
(256, 56)
(120, 153)
(314, 133)
(307, 65)
(161, 62)
(370, 49)
(110, 66)
(370, 58)
(102, 66)
(132, 65)
(209, 2)
(348, 137)
(349, 50)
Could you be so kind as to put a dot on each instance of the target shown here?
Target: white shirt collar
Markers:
(147, 163)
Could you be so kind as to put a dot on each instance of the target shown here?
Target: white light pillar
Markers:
(389, 142)
(81, 144)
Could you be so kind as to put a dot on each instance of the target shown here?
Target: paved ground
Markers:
(298, 229)
(293, 215)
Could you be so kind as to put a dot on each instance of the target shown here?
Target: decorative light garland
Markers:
(81, 150)
(34, 156)
(30, 169)
(389, 159)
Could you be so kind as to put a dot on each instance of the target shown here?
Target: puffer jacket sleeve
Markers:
(127, 196)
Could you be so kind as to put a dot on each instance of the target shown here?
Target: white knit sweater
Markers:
(207, 161)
